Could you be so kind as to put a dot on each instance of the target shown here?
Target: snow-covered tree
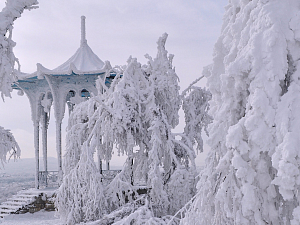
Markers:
(136, 115)
(252, 171)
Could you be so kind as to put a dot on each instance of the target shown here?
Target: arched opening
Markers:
(85, 94)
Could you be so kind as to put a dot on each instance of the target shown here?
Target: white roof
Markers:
(84, 60)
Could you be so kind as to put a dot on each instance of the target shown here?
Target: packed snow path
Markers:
(38, 218)
(20, 200)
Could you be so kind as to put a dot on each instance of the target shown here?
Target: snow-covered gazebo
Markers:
(70, 83)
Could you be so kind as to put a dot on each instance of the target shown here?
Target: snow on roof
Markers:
(84, 61)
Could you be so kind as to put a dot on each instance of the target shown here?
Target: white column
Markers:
(58, 149)
(44, 141)
(37, 155)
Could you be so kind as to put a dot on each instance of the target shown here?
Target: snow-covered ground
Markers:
(10, 184)
(38, 218)
(19, 175)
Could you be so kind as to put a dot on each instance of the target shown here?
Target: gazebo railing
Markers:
(50, 178)
(109, 175)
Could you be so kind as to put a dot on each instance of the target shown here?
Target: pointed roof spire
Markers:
(83, 39)
(84, 61)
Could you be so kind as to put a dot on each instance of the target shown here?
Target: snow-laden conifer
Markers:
(251, 172)
(286, 157)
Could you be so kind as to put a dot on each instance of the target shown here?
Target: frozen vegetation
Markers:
(251, 114)
(9, 148)
(136, 115)
(8, 73)
(252, 171)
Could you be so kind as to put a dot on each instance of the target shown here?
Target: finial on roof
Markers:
(83, 39)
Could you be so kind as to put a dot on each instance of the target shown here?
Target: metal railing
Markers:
(48, 178)
(109, 175)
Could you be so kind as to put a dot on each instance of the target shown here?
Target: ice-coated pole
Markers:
(83, 40)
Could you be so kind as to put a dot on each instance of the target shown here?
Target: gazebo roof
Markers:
(83, 62)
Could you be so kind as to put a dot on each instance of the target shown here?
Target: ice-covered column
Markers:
(59, 102)
(37, 152)
(44, 142)
(35, 90)
(58, 148)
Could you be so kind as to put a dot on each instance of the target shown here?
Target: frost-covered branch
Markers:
(8, 146)
(190, 86)
(12, 11)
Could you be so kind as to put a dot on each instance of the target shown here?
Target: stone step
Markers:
(27, 195)
(17, 202)
(6, 206)
(17, 199)
(13, 203)
(7, 210)
(26, 201)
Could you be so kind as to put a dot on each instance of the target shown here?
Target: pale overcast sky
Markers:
(115, 30)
